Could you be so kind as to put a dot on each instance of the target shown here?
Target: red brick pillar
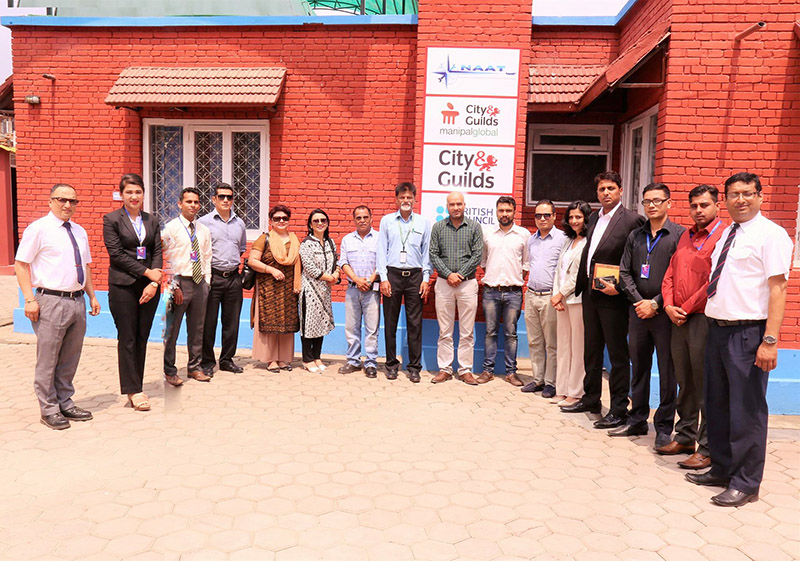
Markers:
(6, 216)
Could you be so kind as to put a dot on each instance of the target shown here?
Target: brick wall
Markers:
(574, 45)
(642, 16)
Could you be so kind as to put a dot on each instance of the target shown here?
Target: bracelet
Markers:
(30, 301)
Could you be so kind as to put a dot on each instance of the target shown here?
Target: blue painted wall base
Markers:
(783, 392)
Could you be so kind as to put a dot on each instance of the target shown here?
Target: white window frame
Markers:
(535, 146)
(227, 128)
(631, 199)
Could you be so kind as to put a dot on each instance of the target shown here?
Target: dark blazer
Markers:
(121, 242)
(609, 252)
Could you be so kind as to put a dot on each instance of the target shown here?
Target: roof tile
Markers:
(560, 83)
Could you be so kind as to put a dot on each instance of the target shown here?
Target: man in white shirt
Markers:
(505, 258)
(187, 247)
(53, 271)
(746, 302)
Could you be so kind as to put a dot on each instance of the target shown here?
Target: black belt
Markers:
(60, 293)
(225, 274)
(738, 322)
(504, 288)
(404, 272)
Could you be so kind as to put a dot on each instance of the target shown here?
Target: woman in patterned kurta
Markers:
(275, 258)
(318, 256)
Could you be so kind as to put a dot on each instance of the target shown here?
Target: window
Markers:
(563, 161)
(181, 154)
(638, 156)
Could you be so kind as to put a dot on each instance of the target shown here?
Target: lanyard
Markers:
(711, 233)
(408, 233)
(192, 237)
(138, 224)
(651, 247)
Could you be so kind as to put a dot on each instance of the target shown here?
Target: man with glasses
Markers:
(228, 243)
(544, 247)
(746, 302)
(362, 299)
(644, 262)
(187, 247)
(53, 271)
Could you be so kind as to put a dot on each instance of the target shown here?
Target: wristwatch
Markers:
(654, 305)
(769, 340)
(154, 284)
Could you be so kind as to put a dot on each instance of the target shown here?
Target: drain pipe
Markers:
(750, 30)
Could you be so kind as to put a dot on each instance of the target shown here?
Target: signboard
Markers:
(450, 167)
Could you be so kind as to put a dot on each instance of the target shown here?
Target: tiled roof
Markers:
(560, 83)
(178, 87)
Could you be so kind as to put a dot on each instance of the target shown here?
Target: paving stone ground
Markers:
(299, 466)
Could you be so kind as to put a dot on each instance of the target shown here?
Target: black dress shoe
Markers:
(707, 479)
(609, 422)
(734, 497)
(77, 414)
(413, 375)
(532, 387)
(391, 373)
(581, 407)
(371, 372)
(56, 421)
(629, 430)
(229, 367)
(349, 368)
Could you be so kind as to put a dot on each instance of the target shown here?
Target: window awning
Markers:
(572, 88)
(196, 87)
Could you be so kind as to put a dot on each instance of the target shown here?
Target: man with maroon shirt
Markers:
(684, 293)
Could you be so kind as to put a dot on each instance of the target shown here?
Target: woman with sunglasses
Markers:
(318, 255)
(275, 257)
(133, 240)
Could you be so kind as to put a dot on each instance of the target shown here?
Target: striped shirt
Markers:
(456, 250)
(359, 253)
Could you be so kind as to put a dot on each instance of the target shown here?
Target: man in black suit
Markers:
(605, 308)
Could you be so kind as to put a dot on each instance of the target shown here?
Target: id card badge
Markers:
(193, 256)
(645, 271)
(141, 252)
(403, 257)
(376, 286)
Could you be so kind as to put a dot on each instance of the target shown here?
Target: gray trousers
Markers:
(688, 355)
(59, 341)
(195, 297)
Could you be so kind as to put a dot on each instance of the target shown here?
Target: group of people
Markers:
(709, 300)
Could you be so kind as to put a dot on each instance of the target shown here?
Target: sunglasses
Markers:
(319, 221)
(280, 219)
(542, 216)
(63, 200)
(225, 197)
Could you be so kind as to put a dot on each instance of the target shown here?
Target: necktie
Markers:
(712, 285)
(197, 268)
(77, 251)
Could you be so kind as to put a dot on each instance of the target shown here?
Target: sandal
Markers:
(284, 366)
(275, 368)
(310, 366)
(138, 401)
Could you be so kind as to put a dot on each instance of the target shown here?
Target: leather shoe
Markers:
(581, 407)
(173, 380)
(56, 421)
(609, 422)
(391, 372)
(442, 376)
(77, 414)
(532, 387)
(707, 479)
(734, 497)
(413, 375)
(468, 378)
(695, 461)
(513, 380)
(349, 368)
(230, 367)
(629, 430)
(485, 377)
(199, 375)
(675, 447)
(548, 392)
(371, 372)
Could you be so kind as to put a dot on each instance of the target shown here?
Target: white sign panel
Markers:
(479, 207)
(479, 72)
(468, 168)
(470, 120)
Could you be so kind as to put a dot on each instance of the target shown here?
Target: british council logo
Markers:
(440, 215)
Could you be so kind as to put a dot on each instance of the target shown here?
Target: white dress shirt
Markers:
(760, 250)
(47, 248)
(599, 229)
(505, 256)
(178, 247)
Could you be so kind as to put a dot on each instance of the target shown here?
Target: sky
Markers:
(577, 7)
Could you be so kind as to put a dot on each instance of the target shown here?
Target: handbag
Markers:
(248, 277)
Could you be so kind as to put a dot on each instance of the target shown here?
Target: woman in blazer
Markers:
(133, 241)
(569, 334)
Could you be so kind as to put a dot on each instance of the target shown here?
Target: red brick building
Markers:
(664, 91)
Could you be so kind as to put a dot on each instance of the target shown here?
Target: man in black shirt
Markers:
(645, 259)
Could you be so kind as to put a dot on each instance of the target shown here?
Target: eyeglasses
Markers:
(225, 197)
(653, 202)
(280, 219)
(543, 216)
(746, 195)
(64, 200)
(319, 221)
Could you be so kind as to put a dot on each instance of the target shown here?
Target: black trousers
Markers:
(688, 355)
(736, 402)
(606, 326)
(645, 335)
(405, 289)
(133, 323)
(225, 292)
(312, 348)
